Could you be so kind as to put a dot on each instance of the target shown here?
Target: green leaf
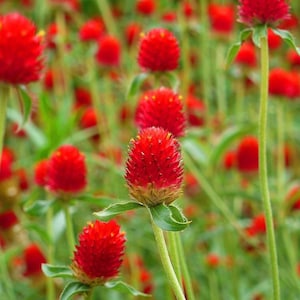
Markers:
(38, 208)
(27, 102)
(168, 217)
(57, 271)
(234, 49)
(135, 84)
(100, 201)
(121, 286)
(194, 149)
(116, 209)
(259, 32)
(72, 288)
(226, 140)
(288, 38)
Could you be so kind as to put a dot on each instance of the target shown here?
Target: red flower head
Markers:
(89, 120)
(246, 55)
(83, 97)
(257, 226)
(91, 30)
(109, 51)
(40, 173)
(22, 176)
(159, 50)
(212, 260)
(229, 160)
(274, 41)
(169, 16)
(98, 256)
(247, 155)
(293, 197)
(195, 111)
(221, 17)
(34, 258)
(132, 32)
(51, 35)
(284, 84)
(8, 219)
(20, 50)
(154, 171)
(66, 170)
(161, 108)
(6, 161)
(293, 58)
(145, 7)
(269, 12)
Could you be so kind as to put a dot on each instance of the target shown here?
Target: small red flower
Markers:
(293, 197)
(221, 17)
(98, 256)
(158, 50)
(229, 160)
(20, 50)
(247, 155)
(89, 120)
(169, 16)
(22, 179)
(66, 171)
(83, 97)
(8, 219)
(145, 7)
(195, 111)
(246, 55)
(6, 161)
(154, 171)
(257, 226)
(109, 51)
(293, 58)
(40, 173)
(51, 35)
(161, 108)
(132, 32)
(91, 30)
(213, 260)
(33, 258)
(269, 12)
(274, 41)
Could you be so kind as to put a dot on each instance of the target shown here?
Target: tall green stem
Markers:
(70, 230)
(4, 93)
(185, 271)
(174, 254)
(263, 174)
(166, 262)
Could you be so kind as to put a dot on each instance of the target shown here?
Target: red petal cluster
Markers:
(91, 30)
(257, 226)
(109, 51)
(195, 111)
(159, 50)
(255, 12)
(8, 219)
(34, 258)
(40, 173)
(66, 172)
(293, 197)
(145, 7)
(161, 108)
(221, 17)
(98, 256)
(247, 155)
(154, 171)
(247, 55)
(20, 50)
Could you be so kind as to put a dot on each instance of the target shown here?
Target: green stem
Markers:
(185, 271)
(263, 174)
(50, 256)
(213, 285)
(166, 262)
(4, 94)
(174, 253)
(70, 230)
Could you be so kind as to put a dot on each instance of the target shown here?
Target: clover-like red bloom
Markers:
(246, 55)
(247, 155)
(91, 30)
(98, 256)
(161, 108)
(66, 171)
(269, 12)
(159, 50)
(154, 171)
(145, 7)
(40, 173)
(34, 258)
(221, 18)
(109, 51)
(20, 50)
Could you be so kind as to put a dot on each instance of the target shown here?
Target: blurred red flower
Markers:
(40, 173)
(145, 7)
(91, 30)
(109, 51)
(246, 55)
(222, 18)
(33, 258)
(158, 50)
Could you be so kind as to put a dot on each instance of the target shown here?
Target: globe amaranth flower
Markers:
(66, 171)
(98, 255)
(20, 50)
(154, 171)
(161, 108)
(145, 7)
(259, 12)
(33, 259)
(158, 50)
(109, 51)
